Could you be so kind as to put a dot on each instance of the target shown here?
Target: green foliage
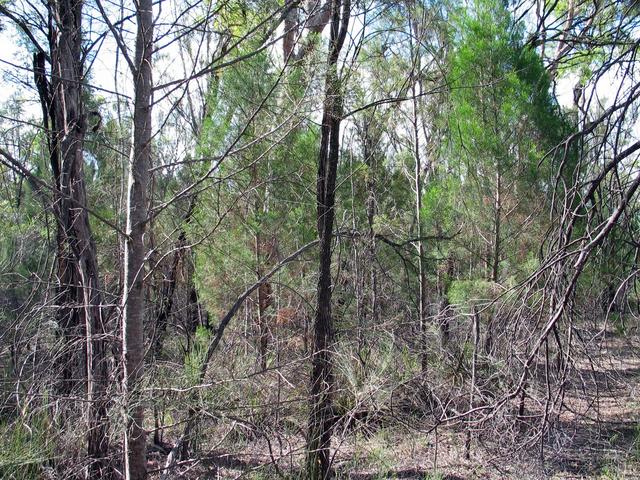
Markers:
(502, 122)
(434, 476)
(487, 181)
(26, 449)
(462, 292)
(196, 355)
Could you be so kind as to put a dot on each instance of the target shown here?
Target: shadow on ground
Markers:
(412, 473)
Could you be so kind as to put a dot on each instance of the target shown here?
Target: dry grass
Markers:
(596, 436)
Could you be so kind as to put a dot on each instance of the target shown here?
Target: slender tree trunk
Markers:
(66, 315)
(263, 303)
(497, 224)
(264, 291)
(422, 276)
(494, 254)
(133, 302)
(372, 210)
(475, 327)
(320, 415)
(443, 304)
(370, 313)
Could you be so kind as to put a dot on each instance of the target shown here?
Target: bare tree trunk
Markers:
(67, 317)
(443, 303)
(422, 276)
(370, 152)
(262, 256)
(320, 415)
(371, 312)
(79, 291)
(497, 246)
(264, 298)
(475, 327)
(133, 301)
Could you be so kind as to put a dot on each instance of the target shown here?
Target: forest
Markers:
(313, 239)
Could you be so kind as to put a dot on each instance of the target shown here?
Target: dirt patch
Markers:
(594, 436)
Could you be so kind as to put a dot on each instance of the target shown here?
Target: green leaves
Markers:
(502, 120)
(196, 356)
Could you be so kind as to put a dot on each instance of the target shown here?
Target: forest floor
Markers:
(596, 437)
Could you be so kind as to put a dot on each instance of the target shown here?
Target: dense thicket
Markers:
(320, 238)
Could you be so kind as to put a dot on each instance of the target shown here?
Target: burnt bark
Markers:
(182, 253)
(320, 416)
(80, 315)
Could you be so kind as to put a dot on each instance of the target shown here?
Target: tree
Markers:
(320, 416)
(79, 291)
(476, 219)
(498, 136)
(133, 301)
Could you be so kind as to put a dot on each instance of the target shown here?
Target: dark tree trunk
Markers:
(264, 301)
(444, 312)
(79, 291)
(264, 298)
(167, 291)
(320, 416)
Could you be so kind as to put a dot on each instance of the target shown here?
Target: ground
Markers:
(597, 436)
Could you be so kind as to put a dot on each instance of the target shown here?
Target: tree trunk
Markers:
(370, 155)
(264, 297)
(370, 306)
(497, 245)
(320, 415)
(443, 304)
(475, 327)
(422, 276)
(133, 301)
(79, 291)
(264, 291)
